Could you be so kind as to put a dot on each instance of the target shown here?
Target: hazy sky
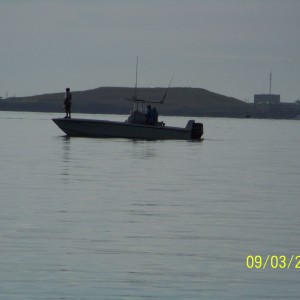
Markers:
(225, 46)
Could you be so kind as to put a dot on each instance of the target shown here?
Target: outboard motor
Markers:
(197, 130)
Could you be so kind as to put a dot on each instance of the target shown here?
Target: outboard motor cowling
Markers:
(197, 131)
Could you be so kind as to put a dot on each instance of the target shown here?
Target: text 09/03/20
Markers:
(273, 261)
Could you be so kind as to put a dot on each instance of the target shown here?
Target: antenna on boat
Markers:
(136, 71)
(270, 89)
(165, 95)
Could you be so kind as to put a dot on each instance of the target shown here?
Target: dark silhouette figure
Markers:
(68, 103)
(155, 115)
(149, 115)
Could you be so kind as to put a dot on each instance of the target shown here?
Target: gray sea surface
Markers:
(84, 218)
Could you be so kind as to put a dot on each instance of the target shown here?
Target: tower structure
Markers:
(267, 99)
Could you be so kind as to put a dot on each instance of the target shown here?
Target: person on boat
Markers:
(155, 115)
(149, 115)
(68, 103)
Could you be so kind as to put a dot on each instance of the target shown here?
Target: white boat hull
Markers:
(113, 129)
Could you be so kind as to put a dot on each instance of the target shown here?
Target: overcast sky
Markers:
(225, 46)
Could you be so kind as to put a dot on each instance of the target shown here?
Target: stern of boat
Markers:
(197, 131)
(195, 128)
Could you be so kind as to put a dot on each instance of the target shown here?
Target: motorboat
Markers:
(137, 126)
(131, 130)
(141, 124)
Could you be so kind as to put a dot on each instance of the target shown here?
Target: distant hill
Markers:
(179, 101)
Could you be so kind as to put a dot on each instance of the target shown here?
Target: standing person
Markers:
(155, 115)
(149, 115)
(68, 103)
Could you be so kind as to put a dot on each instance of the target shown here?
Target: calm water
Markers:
(88, 218)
